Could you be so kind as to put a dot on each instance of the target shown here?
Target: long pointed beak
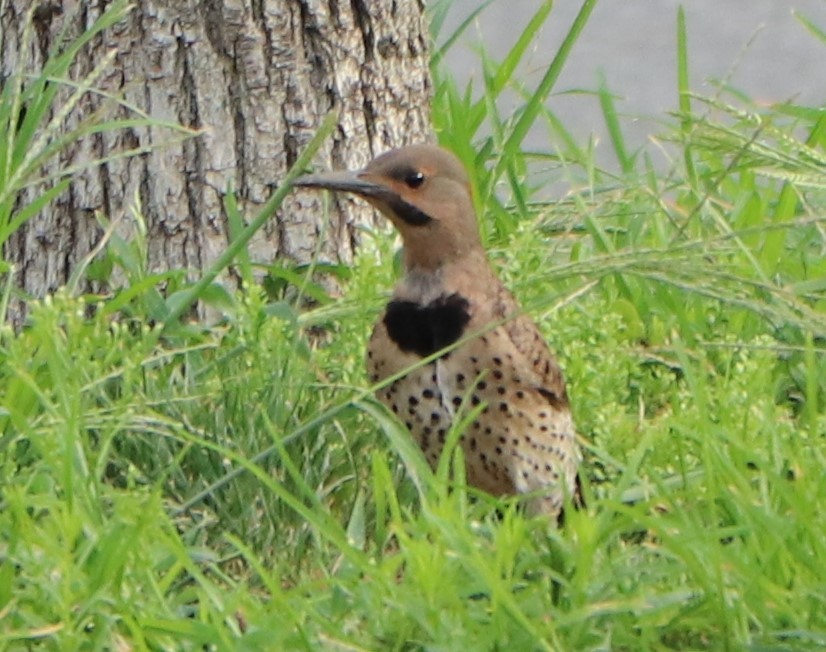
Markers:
(390, 203)
(345, 181)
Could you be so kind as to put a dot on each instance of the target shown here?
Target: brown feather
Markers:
(523, 441)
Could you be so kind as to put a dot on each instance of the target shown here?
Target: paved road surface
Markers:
(758, 45)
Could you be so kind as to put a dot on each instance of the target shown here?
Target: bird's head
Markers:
(424, 190)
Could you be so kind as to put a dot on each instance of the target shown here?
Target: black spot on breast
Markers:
(425, 329)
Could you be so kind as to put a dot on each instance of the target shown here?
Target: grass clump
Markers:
(235, 486)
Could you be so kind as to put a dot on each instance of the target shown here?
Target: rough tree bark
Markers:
(257, 76)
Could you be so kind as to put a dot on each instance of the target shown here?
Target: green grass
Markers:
(235, 486)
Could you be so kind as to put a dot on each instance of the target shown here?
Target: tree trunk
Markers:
(256, 76)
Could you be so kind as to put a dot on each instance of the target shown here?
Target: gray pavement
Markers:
(758, 46)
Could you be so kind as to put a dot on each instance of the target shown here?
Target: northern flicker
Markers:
(523, 441)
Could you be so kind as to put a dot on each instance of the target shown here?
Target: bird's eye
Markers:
(414, 180)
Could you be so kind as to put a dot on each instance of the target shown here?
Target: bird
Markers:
(489, 356)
